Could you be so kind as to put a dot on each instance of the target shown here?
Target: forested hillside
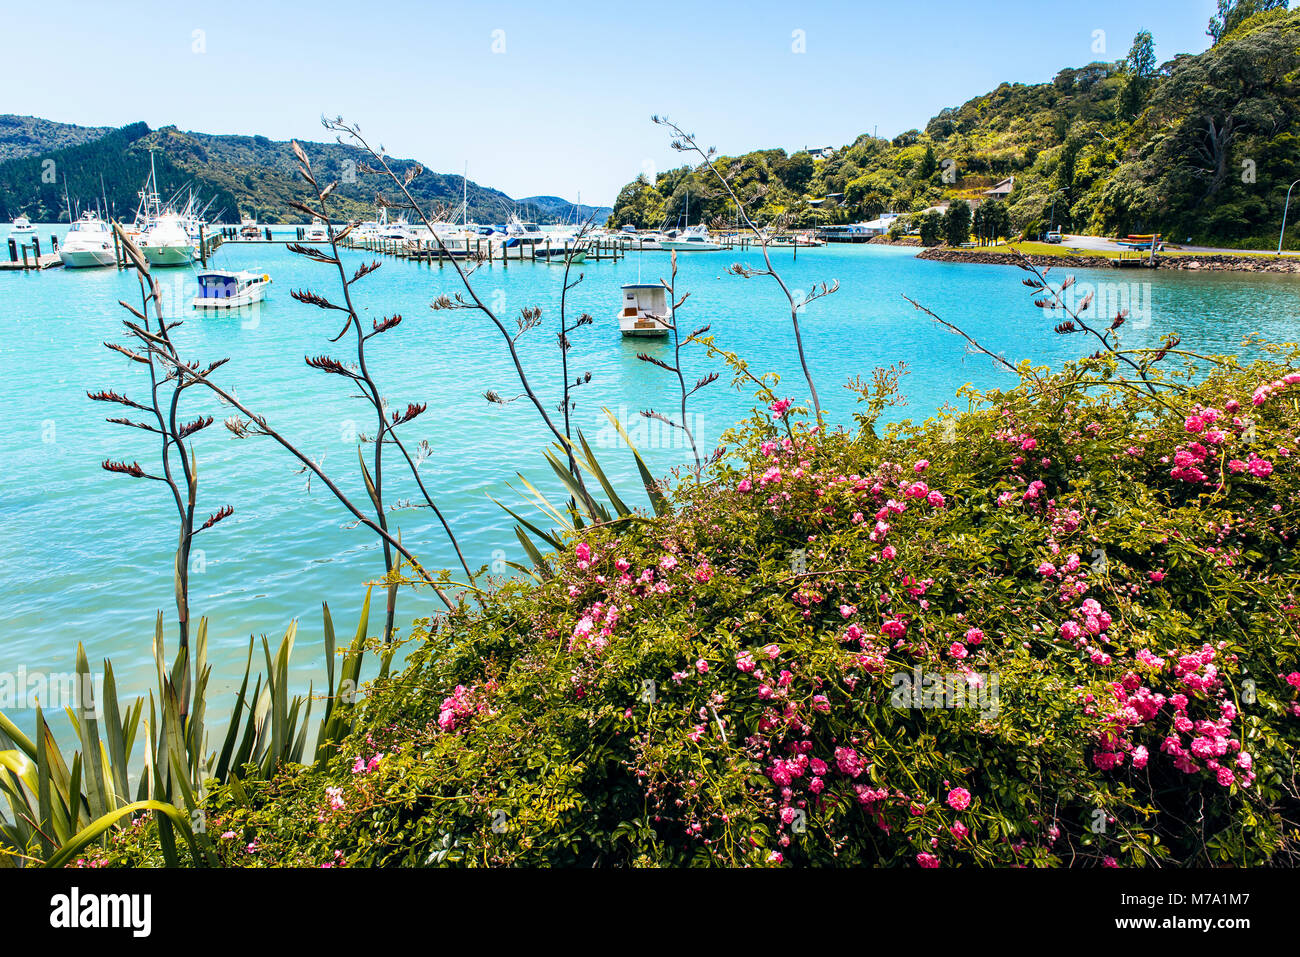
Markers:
(1202, 147)
(241, 175)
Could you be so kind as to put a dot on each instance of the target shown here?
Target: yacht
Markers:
(248, 229)
(167, 241)
(23, 225)
(230, 290)
(519, 233)
(89, 243)
(692, 239)
(645, 310)
(317, 232)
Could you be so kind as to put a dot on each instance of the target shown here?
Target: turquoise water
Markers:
(86, 556)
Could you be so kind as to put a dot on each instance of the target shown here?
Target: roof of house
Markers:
(1002, 188)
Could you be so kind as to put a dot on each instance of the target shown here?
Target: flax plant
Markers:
(358, 373)
(684, 142)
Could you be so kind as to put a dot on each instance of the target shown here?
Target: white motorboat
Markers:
(317, 232)
(519, 233)
(645, 310)
(167, 241)
(694, 239)
(248, 229)
(23, 225)
(89, 243)
(230, 290)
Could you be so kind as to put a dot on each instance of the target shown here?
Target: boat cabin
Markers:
(645, 310)
(223, 290)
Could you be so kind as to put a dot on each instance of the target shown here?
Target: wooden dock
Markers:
(27, 255)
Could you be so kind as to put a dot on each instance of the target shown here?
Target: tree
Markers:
(639, 204)
(1233, 13)
(931, 227)
(929, 162)
(797, 172)
(1139, 75)
(956, 223)
(991, 220)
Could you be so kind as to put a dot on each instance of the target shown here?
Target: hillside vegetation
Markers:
(241, 175)
(1201, 147)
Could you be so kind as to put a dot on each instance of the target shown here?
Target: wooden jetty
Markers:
(27, 256)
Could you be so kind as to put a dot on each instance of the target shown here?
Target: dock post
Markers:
(36, 243)
(117, 250)
(25, 266)
(203, 248)
(13, 249)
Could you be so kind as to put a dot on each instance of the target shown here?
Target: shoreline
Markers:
(1208, 262)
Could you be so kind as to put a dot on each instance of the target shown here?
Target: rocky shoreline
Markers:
(1210, 262)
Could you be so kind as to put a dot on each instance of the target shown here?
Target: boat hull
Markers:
(642, 328)
(248, 297)
(86, 258)
(168, 255)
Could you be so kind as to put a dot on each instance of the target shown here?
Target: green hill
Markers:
(1203, 146)
(241, 175)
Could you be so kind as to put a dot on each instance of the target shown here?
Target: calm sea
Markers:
(86, 556)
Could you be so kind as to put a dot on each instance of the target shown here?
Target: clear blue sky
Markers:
(565, 106)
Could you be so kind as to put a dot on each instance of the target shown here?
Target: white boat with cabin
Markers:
(167, 241)
(645, 310)
(230, 290)
(317, 232)
(693, 239)
(89, 243)
(23, 225)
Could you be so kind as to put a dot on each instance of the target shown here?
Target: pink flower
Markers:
(848, 761)
(917, 490)
(888, 553)
(703, 572)
(745, 662)
(974, 635)
(959, 830)
(780, 407)
(1260, 468)
(927, 860)
(744, 486)
(583, 551)
(702, 666)
(959, 799)
(847, 611)
(920, 466)
(936, 499)
(958, 650)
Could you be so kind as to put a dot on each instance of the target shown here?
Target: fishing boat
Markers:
(645, 310)
(89, 243)
(167, 241)
(693, 239)
(317, 232)
(23, 225)
(230, 290)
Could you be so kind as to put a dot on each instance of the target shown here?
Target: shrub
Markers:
(1107, 575)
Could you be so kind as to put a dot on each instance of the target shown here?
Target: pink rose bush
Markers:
(871, 648)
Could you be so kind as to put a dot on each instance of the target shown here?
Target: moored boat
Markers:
(230, 290)
(23, 225)
(89, 243)
(645, 310)
(694, 239)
